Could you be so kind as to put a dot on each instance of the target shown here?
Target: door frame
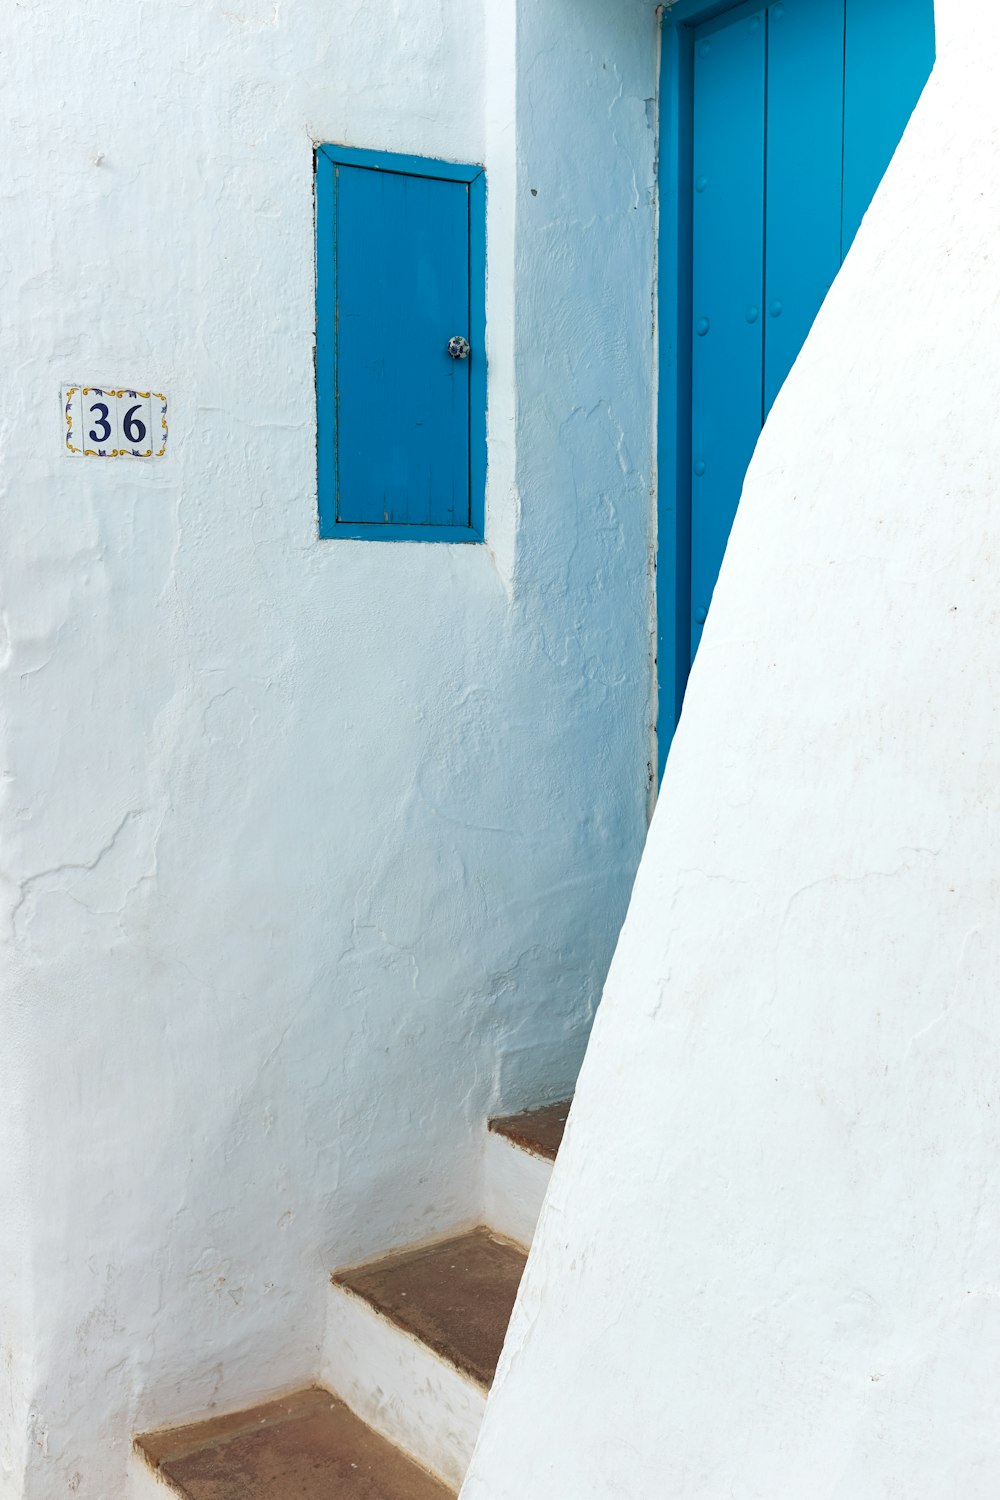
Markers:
(673, 443)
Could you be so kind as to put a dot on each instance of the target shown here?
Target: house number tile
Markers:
(117, 421)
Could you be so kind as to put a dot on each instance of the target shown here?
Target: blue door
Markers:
(403, 289)
(779, 121)
(400, 347)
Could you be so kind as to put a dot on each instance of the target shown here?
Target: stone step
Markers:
(517, 1165)
(307, 1446)
(539, 1131)
(413, 1340)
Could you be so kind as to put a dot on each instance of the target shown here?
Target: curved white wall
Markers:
(312, 853)
(767, 1265)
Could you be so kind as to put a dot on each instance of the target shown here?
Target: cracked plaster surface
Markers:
(312, 854)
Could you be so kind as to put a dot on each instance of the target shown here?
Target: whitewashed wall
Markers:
(768, 1263)
(312, 852)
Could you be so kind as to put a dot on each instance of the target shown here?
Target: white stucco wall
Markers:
(767, 1264)
(312, 852)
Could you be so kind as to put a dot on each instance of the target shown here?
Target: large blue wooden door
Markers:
(784, 117)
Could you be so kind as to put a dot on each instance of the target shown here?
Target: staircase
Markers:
(411, 1348)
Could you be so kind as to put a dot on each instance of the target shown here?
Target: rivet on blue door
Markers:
(777, 124)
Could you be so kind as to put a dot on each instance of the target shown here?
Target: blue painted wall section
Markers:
(401, 420)
(778, 122)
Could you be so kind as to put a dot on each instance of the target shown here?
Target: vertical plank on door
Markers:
(888, 55)
(727, 282)
(402, 403)
(805, 131)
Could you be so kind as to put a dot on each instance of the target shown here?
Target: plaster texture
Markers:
(314, 854)
(767, 1264)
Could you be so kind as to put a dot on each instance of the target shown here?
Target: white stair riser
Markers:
(145, 1483)
(400, 1387)
(514, 1185)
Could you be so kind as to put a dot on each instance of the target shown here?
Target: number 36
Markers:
(113, 421)
(132, 426)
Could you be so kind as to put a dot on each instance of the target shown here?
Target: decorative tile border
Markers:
(69, 407)
(122, 411)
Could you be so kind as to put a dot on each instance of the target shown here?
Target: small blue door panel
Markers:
(400, 419)
(402, 404)
(779, 119)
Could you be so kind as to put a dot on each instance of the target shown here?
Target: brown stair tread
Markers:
(539, 1131)
(308, 1446)
(456, 1296)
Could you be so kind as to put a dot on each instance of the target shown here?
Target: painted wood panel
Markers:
(805, 130)
(727, 218)
(888, 55)
(400, 273)
(402, 403)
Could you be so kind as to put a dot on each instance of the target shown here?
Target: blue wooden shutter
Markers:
(400, 271)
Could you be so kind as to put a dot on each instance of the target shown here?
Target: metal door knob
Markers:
(459, 347)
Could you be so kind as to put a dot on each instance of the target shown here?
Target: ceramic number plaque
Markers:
(101, 421)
